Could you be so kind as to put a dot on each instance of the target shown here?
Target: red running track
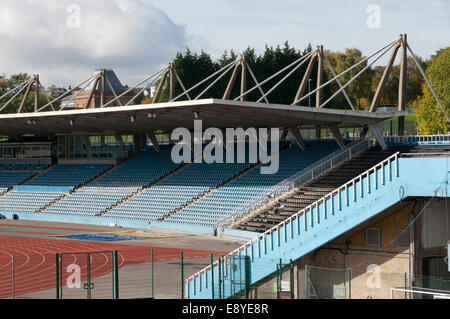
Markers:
(35, 260)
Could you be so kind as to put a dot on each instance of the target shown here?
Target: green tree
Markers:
(358, 91)
(414, 81)
(7, 84)
(430, 118)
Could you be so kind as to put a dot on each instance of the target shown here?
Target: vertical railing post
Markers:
(291, 273)
(57, 276)
(219, 274)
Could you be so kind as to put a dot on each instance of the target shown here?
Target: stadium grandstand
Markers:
(367, 204)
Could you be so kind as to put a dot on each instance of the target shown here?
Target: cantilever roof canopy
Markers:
(168, 116)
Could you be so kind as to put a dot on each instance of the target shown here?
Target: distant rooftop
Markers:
(113, 79)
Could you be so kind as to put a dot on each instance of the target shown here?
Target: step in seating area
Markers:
(89, 201)
(313, 190)
(252, 185)
(24, 165)
(27, 201)
(9, 179)
(72, 175)
(177, 190)
(35, 198)
(115, 186)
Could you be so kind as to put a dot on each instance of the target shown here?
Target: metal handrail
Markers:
(302, 176)
(338, 190)
(419, 138)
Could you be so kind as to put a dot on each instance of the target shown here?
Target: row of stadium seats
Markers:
(23, 167)
(138, 173)
(9, 179)
(111, 194)
(27, 201)
(31, 200)
(177, 190)
(72, 175)
(226, 200)
(116, 185)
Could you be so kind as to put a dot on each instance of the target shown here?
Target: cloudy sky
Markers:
(65, 40)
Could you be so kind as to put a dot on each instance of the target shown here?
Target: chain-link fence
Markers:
(325, 283)
(280, 284)
(419, 293)
(137, 273)
(376, 284)
(30, 276)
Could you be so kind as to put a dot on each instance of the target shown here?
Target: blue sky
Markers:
(137, 37)
(336, 24)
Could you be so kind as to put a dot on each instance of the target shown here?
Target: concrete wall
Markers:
(374, 270)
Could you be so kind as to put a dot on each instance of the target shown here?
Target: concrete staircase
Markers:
(300, 197)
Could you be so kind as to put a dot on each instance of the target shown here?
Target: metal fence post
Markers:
(307, 281)
(349, 283)
(153, 277)
(247, 276)
(212, 276)
(116, 275)
(88, 272)
(57, 276)
(182, 275)
(13, 283)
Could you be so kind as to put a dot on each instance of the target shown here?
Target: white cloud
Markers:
(130, 36)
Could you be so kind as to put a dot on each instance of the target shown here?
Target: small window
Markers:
(401, 239)
(373, 237)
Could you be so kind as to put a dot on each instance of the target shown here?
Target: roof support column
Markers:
(319, 93)
(284, 134)
(27, 92)
(364, 131)
(36, 92)
(160, 86)
(337, 135)
(378, 135)
(137, 141)
(171, 82)
(119, 139)
(154, 141)
(103, 93)
(384, 78)
(402, 86)
(302, 87)
(88, 102)
(298, 137)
